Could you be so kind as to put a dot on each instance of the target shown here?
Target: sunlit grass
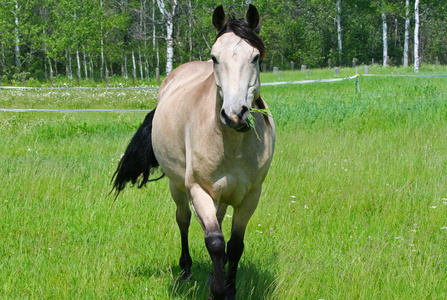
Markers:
(355, 204)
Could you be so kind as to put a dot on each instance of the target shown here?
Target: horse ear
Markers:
(252, 17)
(219, 18)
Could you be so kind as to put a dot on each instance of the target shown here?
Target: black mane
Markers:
(241, 29)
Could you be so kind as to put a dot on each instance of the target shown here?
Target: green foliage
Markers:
(302, 32)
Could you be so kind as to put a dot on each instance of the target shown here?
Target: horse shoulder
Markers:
(184, 78)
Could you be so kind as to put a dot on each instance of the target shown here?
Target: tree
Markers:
(416, 36)
(385, 37)
(407, 31)
(168, 16)
(340, 44)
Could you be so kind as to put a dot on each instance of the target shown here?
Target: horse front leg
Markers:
(183, 218)
(235, 247)
(205, 211)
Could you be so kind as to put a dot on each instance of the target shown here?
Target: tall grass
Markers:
(355, 204)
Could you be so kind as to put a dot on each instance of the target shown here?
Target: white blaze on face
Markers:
(236, 71)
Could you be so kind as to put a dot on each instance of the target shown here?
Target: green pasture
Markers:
(354, 206)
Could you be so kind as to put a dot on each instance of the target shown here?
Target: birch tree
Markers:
(16, 34)
(407, 31)
(340, 44)
(416, 36)
(384, 37)
(168, 10)
(101, 24)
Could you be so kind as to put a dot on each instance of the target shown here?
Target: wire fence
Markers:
(356, 77)
(74, 88)
(74, 110)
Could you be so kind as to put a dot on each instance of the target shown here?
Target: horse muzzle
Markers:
(237, 121)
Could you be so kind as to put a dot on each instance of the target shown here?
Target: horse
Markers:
(212, 135)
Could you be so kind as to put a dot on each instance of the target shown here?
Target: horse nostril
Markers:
(223, 114)
(245, 112)
(224, 117)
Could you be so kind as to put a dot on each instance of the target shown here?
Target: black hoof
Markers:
(185, 276)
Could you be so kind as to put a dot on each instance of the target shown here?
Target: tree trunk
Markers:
(147, 68)
(67, 64)
(134, 67)
(416, 36)
(340, 45)
(407, 31)
(102, 44)
(51, 72)
(169, 47)
(78, 70)
(153, 25)
(158, 57)
(385, 39)
(84, 61)
(92, 72)
(125, 66)
(17, 39)
(169, 22)
(190, 29)
(141, 65)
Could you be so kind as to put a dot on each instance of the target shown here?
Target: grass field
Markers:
(354, 207)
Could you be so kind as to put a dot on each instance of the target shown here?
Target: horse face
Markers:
(236, 70)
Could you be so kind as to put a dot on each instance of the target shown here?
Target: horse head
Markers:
(236, 54)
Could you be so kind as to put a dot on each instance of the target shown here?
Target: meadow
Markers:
(354, 206)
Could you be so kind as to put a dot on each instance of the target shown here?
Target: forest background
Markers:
(94, 38)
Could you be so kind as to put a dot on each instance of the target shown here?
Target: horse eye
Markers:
(214, 59)
(255, 60)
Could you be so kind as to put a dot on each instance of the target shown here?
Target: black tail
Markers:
(139, 160)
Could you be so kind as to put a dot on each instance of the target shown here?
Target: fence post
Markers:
(275, 70)
(357, 84)
(436, 62)
(23, 79)
(157, 74)
(329, 63)
(372, 62)
(337, 71)
(303, 68)
(366, 70)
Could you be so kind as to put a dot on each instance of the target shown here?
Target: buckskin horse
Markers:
(213, 137)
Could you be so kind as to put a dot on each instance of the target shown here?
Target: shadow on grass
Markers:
(252, 282)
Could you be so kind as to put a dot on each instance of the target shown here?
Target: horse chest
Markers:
(227, 176)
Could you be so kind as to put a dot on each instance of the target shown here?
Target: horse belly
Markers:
(169, 148)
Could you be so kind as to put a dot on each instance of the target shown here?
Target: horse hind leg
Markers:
(183, 218)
